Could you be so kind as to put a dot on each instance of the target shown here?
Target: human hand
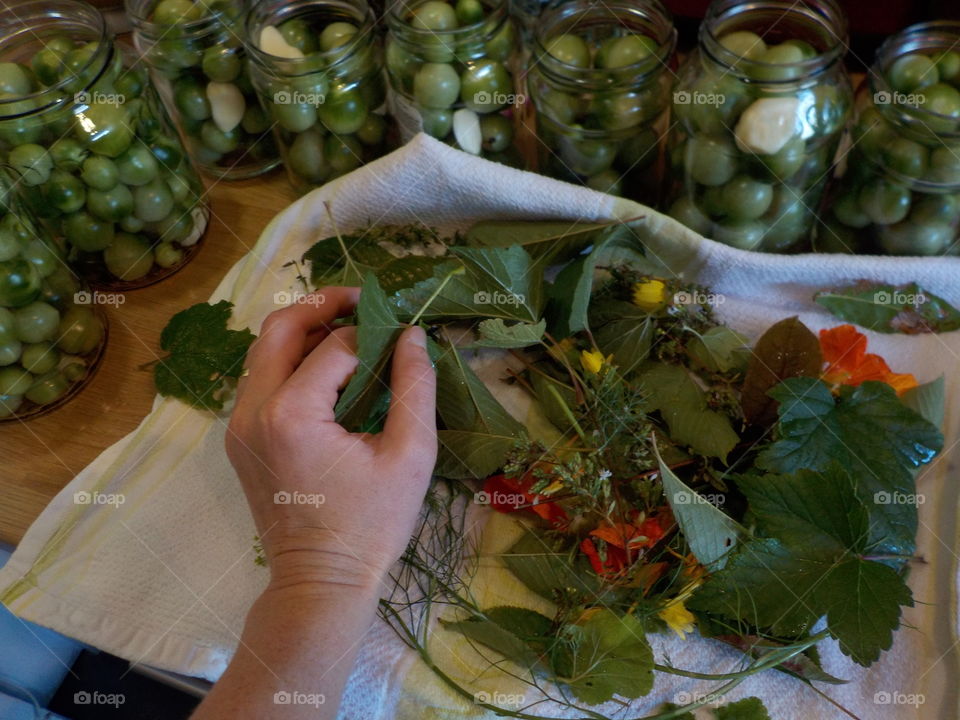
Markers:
(283, 438)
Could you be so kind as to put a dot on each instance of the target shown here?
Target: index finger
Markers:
(284, 339)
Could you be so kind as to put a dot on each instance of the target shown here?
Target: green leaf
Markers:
(751, 708)
(550, 574)
(467, 454)
(496, 333)
(377, 333)
(552, 401)
(203, 353)
(624, 331)
(497, 283)
(891, 308)
(721, 349)
(612, 658)
(809, 561)
(802, 666)
(516, 633)
(548, 241)
(710, 532)
(465, 403)
(927, 400)
(788, 349)
(683, 406)
(867, 430)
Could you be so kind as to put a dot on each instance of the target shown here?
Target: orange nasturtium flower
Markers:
(509, 495)
(623, 541)
(848, 362)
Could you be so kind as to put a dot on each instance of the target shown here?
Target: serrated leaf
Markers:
(202, 354)
(550, 574)
(891, 308)
(465, 403)
(467, 454)
(710, 532)
(612, 658)
(377, 333)
(516, 633)
(751, 708)
(928, 400)
(624, 331)
(680, 401)
(788, 349)
(495, 333)
(721, 349)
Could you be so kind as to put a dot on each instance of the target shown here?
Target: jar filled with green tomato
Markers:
(198, 63)
(451, 72)
(899, 193)
(317, 67)
(52, 335)
(99, 161)
(759, 110)
(600, 84)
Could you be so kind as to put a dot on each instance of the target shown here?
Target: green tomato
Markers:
(106, 129)
(14, 381)
(99, 173)
(626, 50)
(373, 131)
(948, 65)
(168, 255)
(9, 404)
(344, 111)
(501, 45)
(906, 157)
(745, 198)
(912, 72)
(74, 372)
(80, 331)
(685, 210)
(68, 154)
(622, 110)
(337, 34)
(941, 99)
(19, 130)
(561, 107)
(111, 205)
(137, 166)
(131, 83)
(221, 64)
(65, 192)
(48, 388)
(152, 202)
(131, 224)
(936, 209)
(436, 86)
(42, 254)
(33, 162)
(180, 188)
(36, 322)
(306, 157)
(86, 232)
(60, 287)
(293, 116)
(569, 50)
(437, 123)
(129, 257)
(745, 235)
(587, 157)
(784, 163)
(485, 86)
(807, 50)
(297, 33)
(47, 64)
(9, 246)
(496, 132)
(907, 238)
(884, 202)
(710, 160)
(847, 210)
(7, 324)
(945, 164)
(174, 12)
(219, 141)
(401, 65)
(40, 358)
(190, 98)
(469, 12)
(778, 63)
(343, 153)
(14, 79)
(19, 282)
(10, 351)
(607, 181)
(744, 44)
(255, 120)
(434, 15)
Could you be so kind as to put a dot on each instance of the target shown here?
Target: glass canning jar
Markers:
(52, 336)
(199, 65)
(317, 67)
(759, 110)
(451, 72)
(600, 84)
(100, 163)
(899, 192)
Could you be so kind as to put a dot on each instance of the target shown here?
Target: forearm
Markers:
(295, 655)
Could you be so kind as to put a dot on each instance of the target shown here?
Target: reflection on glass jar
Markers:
(198, 63)
(99, 161)
(451, 71)
(899, 193)
(600, 83)
(318, 70)
(52, 336)
(759, 109)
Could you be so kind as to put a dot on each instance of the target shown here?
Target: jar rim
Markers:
(400, 27)
(638, 72)
(826, 13)
(191, 29)
(26, 23)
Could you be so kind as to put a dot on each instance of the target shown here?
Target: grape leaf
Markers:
(751, 708)
(810, 559)
(680, 401)
(469, 454)
(624, 331)
(710, 532)
(203, 353)
(787, 349)
(612, 657)
(868, 430)
(887, 308)
(377, 333)
(496, 333)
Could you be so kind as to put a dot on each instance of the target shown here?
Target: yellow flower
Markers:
(592, 360)
(680, 620)
(650, 295)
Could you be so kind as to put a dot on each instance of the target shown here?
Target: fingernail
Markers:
(417, 336)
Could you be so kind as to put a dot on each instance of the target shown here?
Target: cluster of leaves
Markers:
(891, 308)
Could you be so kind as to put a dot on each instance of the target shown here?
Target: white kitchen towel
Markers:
(166, 577)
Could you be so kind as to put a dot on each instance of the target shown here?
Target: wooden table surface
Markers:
(40, 456)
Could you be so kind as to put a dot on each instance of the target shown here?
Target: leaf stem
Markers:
(433, 296)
